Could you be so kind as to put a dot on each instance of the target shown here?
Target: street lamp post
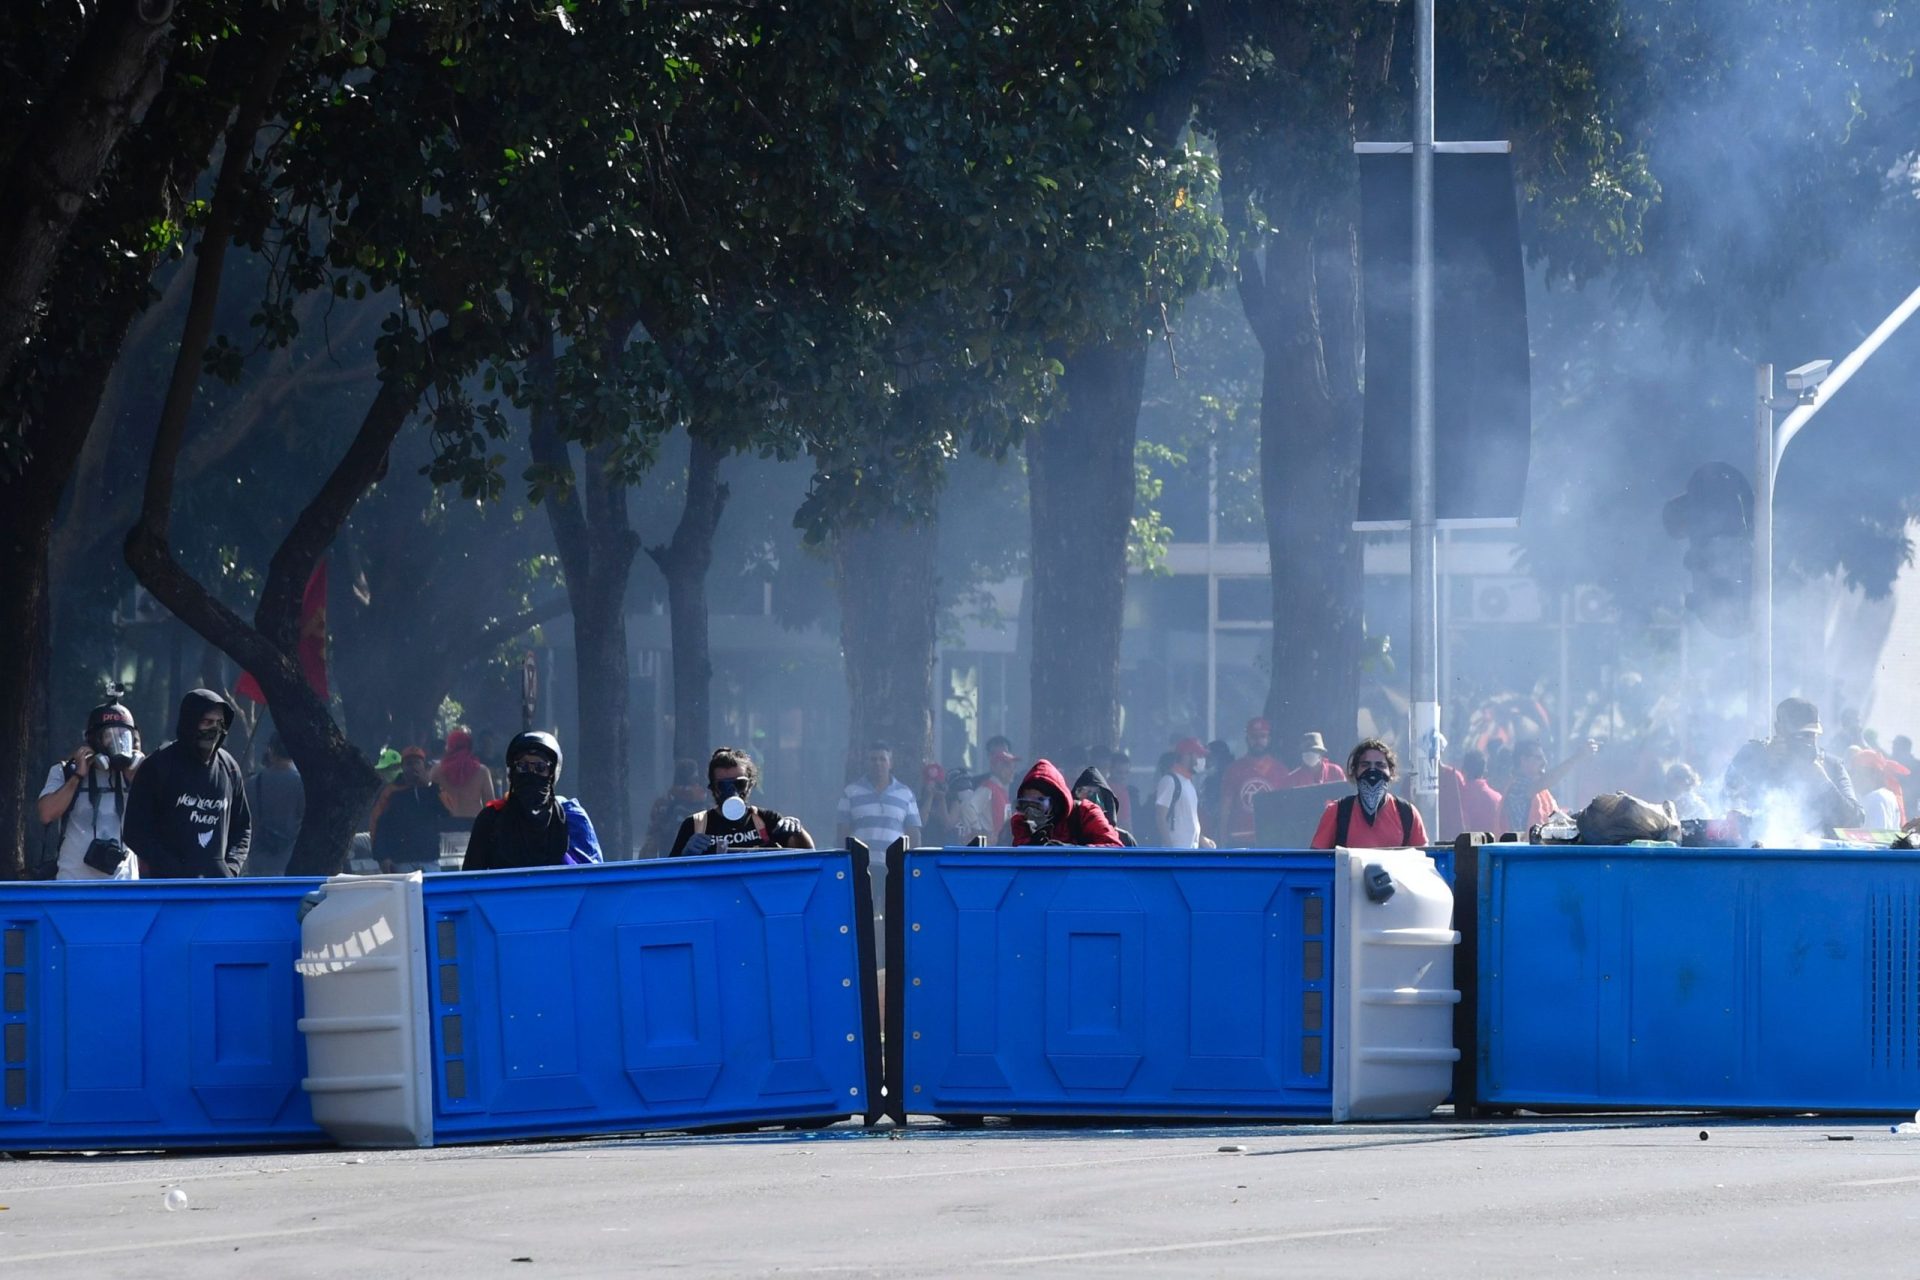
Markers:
(1425, 675)
(1809, 388)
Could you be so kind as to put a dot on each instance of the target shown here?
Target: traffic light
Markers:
(1715, 516)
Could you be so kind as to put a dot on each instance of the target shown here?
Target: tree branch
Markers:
(157, 510)
(314, 529)
(691, 546)
(491, 637)
(109, 81)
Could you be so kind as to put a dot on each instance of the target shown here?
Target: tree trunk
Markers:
(23, 605)
(1080, 471)
(1301, 306)
(684, 562)
(92, 305)
(604, 747)
(110, 81)
(886, 577)
(338, 782)
(597, 544)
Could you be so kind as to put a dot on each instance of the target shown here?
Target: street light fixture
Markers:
(1812, 386)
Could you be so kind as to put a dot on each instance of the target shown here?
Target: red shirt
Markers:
(1325, 771)
(1246, 778)
(1452, 811)
(1383, 832)
(1002, 806)
(1479, 806)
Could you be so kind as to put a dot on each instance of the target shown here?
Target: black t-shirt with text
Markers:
(729, 836)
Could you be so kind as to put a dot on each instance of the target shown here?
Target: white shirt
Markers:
(1178, 797)
(1883, 810)
(83, 826)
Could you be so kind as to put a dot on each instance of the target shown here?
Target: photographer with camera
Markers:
(732, 824)
(86, 794)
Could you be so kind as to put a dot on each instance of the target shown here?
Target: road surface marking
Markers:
(1880, 1182)
(190, 1241)
(1094, 1255)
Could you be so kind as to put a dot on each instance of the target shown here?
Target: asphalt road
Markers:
(1574, 1198)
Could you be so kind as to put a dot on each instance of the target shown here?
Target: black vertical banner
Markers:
(1483, 424)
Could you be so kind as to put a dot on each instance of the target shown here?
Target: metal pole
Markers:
(1426, 703)
(1760, 681)
(1213, 587)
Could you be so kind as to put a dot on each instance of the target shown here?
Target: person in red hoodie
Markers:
(1045, 812)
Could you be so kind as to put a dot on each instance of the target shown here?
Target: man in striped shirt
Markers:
(877, 809)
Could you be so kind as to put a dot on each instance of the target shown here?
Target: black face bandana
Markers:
(1373, 790)
(531, 791)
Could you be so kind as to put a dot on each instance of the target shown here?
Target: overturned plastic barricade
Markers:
(151, 1014)
(690, 993)
(1142, 983)
(1711, 979)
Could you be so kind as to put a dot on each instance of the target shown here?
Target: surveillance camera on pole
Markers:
(1809, 376)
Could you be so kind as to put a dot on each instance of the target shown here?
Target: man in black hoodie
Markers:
(187, 814)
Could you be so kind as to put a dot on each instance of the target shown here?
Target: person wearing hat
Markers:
(388, 765)
(1253, 774)
(1176, 800)
(1315, 768)
(86, 797)
(532, 825)
(1791, 790)
(408, 817)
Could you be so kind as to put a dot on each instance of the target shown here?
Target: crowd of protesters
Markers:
(190, 810)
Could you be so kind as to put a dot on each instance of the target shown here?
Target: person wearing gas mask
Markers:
(1371, 818)
(732, 824)
(187, 815)
(1045, 813)
(532, 825)
(86, 795)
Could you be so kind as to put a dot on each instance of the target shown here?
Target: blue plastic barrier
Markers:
(648, 995)
(150, 1014)
(1715, 979)
(1110, 982)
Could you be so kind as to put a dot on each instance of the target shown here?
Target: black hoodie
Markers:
(187, 815)
(1104, 796)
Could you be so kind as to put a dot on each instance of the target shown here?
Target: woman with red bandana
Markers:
(465, 784)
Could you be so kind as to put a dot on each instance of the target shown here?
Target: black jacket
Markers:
(411, 820)
(187, 816)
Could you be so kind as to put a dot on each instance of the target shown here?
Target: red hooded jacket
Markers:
(1082, 822)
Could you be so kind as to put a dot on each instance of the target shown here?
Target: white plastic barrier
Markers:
(363, 967)
(1393, 985)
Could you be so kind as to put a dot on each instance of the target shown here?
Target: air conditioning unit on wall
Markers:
(1594, 605)
(1502, 600)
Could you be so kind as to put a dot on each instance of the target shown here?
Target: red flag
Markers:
(313, 640)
